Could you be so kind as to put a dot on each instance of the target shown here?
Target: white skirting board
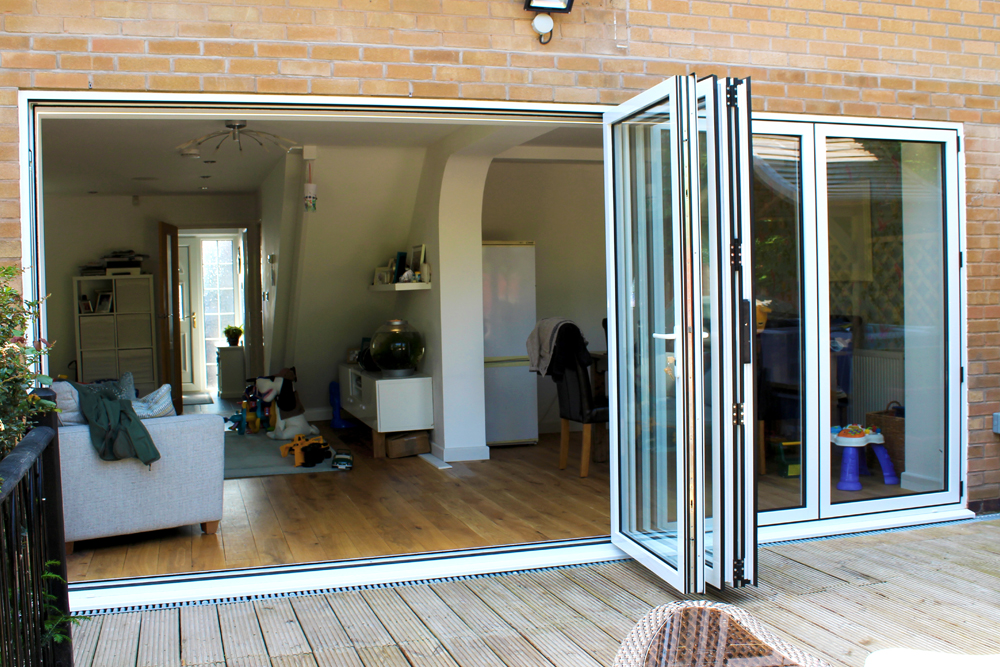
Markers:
(452, 454)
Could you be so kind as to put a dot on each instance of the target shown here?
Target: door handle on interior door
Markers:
(194, 320)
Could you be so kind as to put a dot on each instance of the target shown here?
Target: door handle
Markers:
(194, 320)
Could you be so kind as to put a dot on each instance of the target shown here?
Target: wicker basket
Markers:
(893, 429)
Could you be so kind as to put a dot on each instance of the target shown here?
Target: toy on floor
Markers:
(253, 422)
(343, 459)
(308, 451)
(853, 439)
(288, 415)
(239, 421)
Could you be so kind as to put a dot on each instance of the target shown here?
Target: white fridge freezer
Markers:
(508, 319)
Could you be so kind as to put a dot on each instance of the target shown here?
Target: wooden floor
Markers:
(775, 492)
(381, 507)
(936, 588)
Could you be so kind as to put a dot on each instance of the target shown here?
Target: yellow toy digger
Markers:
(308, 451)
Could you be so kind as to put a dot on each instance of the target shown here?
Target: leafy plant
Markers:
(57, 622)
(232, 331)
(19, 360)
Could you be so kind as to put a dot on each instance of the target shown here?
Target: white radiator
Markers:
(876, 379)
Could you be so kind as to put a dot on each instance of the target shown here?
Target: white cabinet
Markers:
(119, 339)
(387, 405)
(231, 369)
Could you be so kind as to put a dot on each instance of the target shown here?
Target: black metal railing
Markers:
(34, 595)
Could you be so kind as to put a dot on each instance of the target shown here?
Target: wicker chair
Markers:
(696, 634)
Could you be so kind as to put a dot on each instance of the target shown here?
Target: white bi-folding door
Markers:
(681, 384)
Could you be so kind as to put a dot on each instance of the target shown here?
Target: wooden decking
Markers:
(935, 588)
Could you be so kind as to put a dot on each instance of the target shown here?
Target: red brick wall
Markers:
(925, 59)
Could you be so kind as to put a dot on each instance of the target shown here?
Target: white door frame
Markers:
(93, 103)
(189, 321)
(809, 287)
(954, 245)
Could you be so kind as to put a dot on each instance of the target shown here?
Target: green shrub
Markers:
(19, 363)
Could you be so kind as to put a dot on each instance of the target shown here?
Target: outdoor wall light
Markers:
(543, 23)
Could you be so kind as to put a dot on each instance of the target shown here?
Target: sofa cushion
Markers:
(155, 404)
(68, 400)
(123, 388)
(68, 403)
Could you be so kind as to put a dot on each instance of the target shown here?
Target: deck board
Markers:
(201, 637)
(935, 588)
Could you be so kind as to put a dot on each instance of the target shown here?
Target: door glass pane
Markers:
(218, 299)
(650, 361)
(885, 211)
(777, 192)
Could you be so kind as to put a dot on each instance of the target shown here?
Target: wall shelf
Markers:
(399, 287)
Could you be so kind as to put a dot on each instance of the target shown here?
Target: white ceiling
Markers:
(138, 156)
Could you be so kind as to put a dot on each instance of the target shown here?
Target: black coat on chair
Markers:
(569, 369)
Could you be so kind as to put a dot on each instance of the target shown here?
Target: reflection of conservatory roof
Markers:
(853, 172)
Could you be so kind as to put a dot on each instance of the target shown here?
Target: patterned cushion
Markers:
(156, 404)
(68, 403)
(124, 389)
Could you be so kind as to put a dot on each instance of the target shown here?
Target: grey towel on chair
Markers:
(542, 341)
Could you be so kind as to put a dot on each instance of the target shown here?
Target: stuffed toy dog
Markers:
(280, 389)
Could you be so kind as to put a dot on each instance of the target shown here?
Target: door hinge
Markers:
(736, 255)
(961, 489)
(961, 259)
(731, 95)
(961, 374)
(958, 144)
(738, 414)
(738, 573)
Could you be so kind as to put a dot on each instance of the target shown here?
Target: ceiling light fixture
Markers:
(235, 130)
(543, 23)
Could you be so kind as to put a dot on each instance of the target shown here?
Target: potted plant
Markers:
(232, 334)
(18, 361)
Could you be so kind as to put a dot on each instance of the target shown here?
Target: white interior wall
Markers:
(280, 204)
(559, 206)
(449, 217)
(81, 228)
(365, 203)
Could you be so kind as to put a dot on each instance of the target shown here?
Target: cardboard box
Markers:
(407, 444)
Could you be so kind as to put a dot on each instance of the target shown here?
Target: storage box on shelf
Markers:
(121, 340)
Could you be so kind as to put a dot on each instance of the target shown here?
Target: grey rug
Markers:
(202, 398)
(256, 455)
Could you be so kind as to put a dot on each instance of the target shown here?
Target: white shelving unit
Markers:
(399, 287)
(119, 341)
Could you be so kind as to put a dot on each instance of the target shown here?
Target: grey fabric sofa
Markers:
(105, 498)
